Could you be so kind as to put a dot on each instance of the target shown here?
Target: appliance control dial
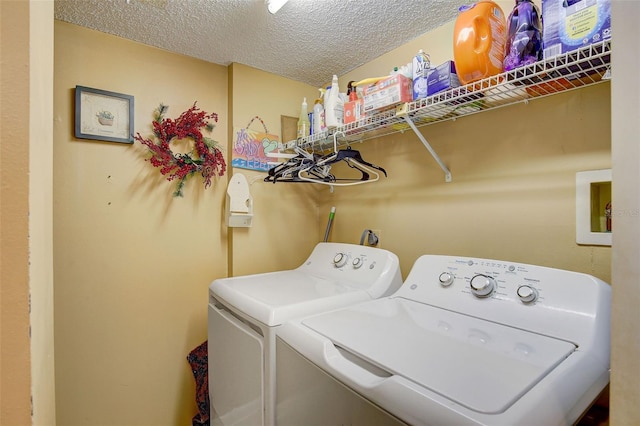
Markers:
(482, 285)
(527, 294)
(357, 262)
(446, 279)
(339, 260)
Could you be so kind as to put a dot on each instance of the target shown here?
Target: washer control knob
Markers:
(482, 285)
(446, 279)
(357, 262)
(339, 260)
(527, 294)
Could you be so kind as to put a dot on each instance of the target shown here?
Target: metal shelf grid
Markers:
(579, 68)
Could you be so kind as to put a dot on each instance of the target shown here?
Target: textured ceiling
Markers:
(307, 40)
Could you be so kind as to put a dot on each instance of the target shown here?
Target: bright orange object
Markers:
(479, 39)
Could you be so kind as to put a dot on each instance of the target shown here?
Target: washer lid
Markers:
(276, 297)
(478, 364)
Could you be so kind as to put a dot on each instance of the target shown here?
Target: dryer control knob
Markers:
(482, 285)
(357, 262)
(446, 279)
(527, 294)
(339, 260)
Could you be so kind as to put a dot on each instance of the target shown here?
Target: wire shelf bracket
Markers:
(445, 169)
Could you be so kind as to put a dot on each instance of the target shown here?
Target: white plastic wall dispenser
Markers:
(239, 208)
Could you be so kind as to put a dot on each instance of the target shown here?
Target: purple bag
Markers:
(524, 37)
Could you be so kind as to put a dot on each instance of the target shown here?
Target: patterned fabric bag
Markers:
(198, 360)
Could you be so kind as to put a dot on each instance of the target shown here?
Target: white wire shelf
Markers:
(572, 70)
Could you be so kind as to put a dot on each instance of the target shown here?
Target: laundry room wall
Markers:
(132, 264)
(116, 383)
(283, 230)
(18, 355)
(512, 196)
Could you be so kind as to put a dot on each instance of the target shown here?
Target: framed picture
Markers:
(103, 115)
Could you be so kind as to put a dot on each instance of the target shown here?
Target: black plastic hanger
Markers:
(353, 154)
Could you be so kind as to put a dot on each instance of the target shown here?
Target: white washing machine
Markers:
(462, 342)
(246, 312)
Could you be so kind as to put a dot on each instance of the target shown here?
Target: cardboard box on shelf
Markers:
(387, 93)
(442, 77)
(572, 24)
(353, 111)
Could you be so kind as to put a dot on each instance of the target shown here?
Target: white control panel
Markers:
(355, 259)
(545, 300)
(374, 269)
(333, 275)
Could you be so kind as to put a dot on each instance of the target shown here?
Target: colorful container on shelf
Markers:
(442, 77)
(387, 93)
(479, 39)
(572, 24)
(524, 38)
(420, 68)
(353, 111)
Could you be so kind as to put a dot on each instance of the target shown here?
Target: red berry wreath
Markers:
(205, 158)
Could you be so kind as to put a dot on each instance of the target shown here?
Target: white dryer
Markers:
(463, 342)
(246, 312)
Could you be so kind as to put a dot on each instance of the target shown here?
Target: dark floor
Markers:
(596, 416)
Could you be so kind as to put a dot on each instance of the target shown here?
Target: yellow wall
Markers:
(625, 96)
(15, 367)
(284, 227)
(125, 321)
(132, 264)
(513, 191)
(41, 213)
(27, 389)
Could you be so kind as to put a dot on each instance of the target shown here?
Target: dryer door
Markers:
(236, 374)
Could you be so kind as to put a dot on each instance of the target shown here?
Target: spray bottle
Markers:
(334, 106)
(351, 92)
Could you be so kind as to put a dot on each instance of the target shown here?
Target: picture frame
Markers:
(103, 115)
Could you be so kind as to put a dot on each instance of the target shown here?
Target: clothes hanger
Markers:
(288, 167)
(311, 167)
(289, 170)
(353, 154)
(286, 171)
(366, 177)
(327, 158)
(334, 157)
(348, 153)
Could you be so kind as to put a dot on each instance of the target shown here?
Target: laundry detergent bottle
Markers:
(479, 38)
(334, 106)
(524, 38)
